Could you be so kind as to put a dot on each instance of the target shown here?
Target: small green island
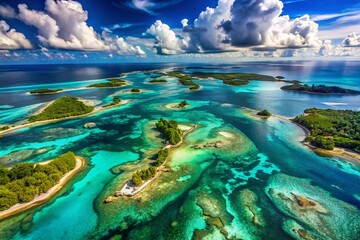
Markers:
(183, 104)
(332, 128)
(297, 87)
(264, 113)
(24, 181)
(116, 100)
(178, 105)
(111, 83)
(62, 108)
(172, 136)
(44, 91)
(135, 90)
(158, 81)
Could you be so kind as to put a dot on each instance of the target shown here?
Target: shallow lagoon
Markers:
(211, 193)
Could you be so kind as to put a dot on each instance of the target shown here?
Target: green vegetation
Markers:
(322, 142)
(236, 82)
(235, 79)
(158, 81)
(234, 76)
(319, 89)
(161, 156)
(3, 128)
(143, 175)
(184, 79)
(264, 113)
(116, 101)
(25, 180)
(111, 83)
(135, 90)
(116, 79)
(172, 134)
(329, 128)
(169, 130)
(61, 108)
(45, 91)
(183, 104)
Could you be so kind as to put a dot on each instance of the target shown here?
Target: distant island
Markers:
(111, 83)
(234, 79)
(62, 108)
(43, 91)
(26, 184)
(264, 113)
(158, 81)
(184, 79)
(319, 89)
(332, 128)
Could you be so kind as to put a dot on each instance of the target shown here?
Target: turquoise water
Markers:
(210, 193)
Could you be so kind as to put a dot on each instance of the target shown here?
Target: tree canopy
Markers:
(329, 128)
(111, 83)
(61, 108)
(25, 180)
(319, 89)
(169, 130)
(183, 104)
(264, 113)
(45, 91)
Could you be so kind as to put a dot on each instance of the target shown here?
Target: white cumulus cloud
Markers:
(251, 23)
(352, 40)
(300, 32)
(11, 39)
(63, 25)
(206, 33)
(167, 42)
(121, 46)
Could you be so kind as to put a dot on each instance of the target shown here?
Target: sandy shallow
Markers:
(184, 127)
(40, 199)
(175, 106)
(226, 134)
(339, 152)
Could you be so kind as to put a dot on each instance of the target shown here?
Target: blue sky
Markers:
(178, 30)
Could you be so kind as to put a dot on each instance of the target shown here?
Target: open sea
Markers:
(244, 190)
